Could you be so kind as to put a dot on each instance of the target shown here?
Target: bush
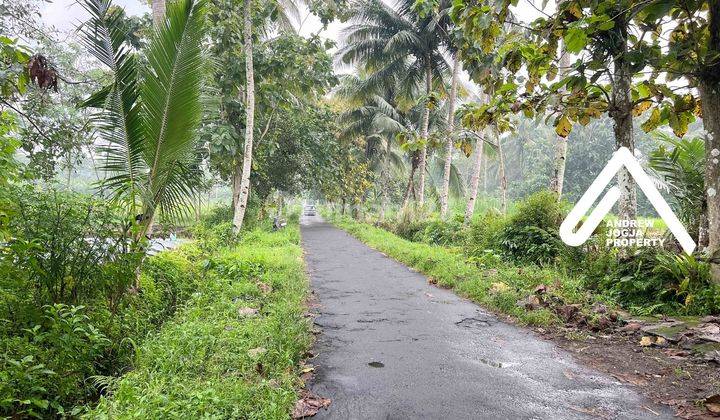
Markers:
(531, 234)
(67, 313)
(409, 229)
(439, 232)
(63, 244)
(656, 281)
(482, 234)
(45, 369)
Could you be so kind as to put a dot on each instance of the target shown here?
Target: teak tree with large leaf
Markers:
(148, 114)
(611, 43)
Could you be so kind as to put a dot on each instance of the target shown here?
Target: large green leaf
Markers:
(171, 90)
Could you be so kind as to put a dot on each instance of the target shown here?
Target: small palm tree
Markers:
(149, 114)
(680, 163)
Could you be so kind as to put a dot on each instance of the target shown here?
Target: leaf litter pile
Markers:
(675, 362)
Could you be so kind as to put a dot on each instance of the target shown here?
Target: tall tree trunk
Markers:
(249, 120)
(158, 11)
(485, 166)
(386, 180)
(502, 177)
(445, 195)
(710, 97)
(424, 135)
(474, 183)
(558, 175)
(406, 198)
(709, 88)
(621, 113)
(236, 180)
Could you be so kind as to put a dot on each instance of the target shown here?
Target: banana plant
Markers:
(148, 113)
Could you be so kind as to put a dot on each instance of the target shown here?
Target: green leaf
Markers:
(575, 39)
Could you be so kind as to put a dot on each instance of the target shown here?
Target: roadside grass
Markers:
(498, 285)
(232, 351)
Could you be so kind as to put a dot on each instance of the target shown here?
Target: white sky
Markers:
(65, 15)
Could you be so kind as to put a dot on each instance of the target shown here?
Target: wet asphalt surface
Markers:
(393, 346)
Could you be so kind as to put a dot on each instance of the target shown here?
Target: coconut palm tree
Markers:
(394, 43)
(148, 116)
(378, 118)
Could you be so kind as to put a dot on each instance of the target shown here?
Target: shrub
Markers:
(656, 281)
(410, 229)
(482, 234)
(531, 234)
(44, 370)
(67, 312)
(439, 232)
(63, 243)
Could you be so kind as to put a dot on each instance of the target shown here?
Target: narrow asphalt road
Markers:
(394, 347)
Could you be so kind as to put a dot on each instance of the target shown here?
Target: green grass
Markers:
(498, 286)
(210, 360)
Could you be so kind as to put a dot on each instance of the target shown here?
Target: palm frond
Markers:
(172, 108)
(119, 121)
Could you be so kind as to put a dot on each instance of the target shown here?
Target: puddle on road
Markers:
(376, 364)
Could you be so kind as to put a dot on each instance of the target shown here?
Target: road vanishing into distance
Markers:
(393, 346)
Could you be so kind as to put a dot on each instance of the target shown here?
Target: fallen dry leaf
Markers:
(540, 289)
(247, 312)
(498, 287)
(257, 351)
(712, 404)
(265, 288)
(632, 379)
(646, 341)
(309, 404)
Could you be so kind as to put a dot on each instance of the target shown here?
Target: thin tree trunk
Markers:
(558, 176)
(502, 178)
(474, 183)
(703, 228)
(198, 207)
(621, 113)
(158, 11)
(424, 135)
(249, 120)
(236, 180)
(485, 166)
(386, 180)
(445, 196)
(406, 198)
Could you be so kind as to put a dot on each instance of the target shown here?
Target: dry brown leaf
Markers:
(646, 341)
(712, 404)
(247, 312)
(309, 404)
(257, 351)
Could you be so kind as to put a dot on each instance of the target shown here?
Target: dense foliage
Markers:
(649, 281)
(68, 313)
